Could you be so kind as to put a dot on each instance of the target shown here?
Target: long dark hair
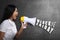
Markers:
(8, 12)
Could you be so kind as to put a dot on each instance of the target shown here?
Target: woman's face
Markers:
(15, 14)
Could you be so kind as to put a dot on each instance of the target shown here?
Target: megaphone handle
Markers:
(24, 26)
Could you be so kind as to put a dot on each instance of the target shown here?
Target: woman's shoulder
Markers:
(4, 25)
(5, 22)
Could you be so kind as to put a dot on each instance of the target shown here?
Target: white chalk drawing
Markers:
(46, 25)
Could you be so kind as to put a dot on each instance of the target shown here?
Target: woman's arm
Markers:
(1, 35)
(20, 31)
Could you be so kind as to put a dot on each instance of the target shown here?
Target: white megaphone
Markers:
(28, 20)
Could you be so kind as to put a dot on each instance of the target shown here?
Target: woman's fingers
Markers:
(24, 25)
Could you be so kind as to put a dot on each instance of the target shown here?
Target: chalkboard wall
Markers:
(48, 10)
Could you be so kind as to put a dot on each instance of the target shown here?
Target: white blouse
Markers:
(9, 27)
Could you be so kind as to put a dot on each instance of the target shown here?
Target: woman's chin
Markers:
(14, 18)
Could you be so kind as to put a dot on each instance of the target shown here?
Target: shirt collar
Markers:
(11, 22)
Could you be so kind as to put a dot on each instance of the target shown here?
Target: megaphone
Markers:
(26, 19)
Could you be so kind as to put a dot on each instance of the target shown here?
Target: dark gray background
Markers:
(42, 9)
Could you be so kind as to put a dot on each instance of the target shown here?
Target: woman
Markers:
(8, 28)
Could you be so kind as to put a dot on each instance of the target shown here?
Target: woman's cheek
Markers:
(15, 15)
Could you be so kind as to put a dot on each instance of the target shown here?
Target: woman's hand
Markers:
(21, 29)
(24, 25)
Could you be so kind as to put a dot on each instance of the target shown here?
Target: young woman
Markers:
(8, 28)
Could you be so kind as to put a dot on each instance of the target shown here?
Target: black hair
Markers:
(8, 12)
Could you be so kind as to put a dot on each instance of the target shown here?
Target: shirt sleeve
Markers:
(3, 27)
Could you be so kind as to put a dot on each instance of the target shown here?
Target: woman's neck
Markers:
(11, 19)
